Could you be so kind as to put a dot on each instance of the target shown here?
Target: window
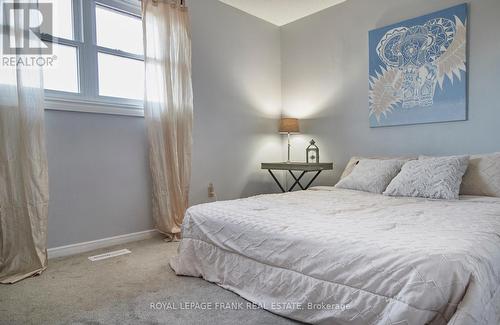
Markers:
(99, 50)
(64, 75)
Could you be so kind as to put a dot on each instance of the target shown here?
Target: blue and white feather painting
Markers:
(418, 70)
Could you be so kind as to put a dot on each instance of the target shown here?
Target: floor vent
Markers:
(109, 255)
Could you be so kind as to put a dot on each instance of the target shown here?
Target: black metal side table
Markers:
(303, 168)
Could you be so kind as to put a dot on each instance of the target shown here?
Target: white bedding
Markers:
(373, 259)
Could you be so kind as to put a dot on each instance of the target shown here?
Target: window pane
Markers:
(120, 77)
(62, 17)
(63, 75)
(119, 31)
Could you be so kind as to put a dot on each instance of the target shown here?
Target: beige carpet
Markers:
(120, 290)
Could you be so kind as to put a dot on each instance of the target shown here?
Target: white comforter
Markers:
(331, 256)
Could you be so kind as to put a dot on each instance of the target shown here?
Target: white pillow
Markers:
(434, 178)
(482, 177)
(371, 175)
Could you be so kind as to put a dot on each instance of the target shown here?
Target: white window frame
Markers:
(88, 99)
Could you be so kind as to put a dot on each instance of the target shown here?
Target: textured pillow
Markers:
(371, 175)
(355, 160)
(483, 176)
(434, 178)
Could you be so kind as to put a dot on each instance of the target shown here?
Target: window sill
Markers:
(85, 106)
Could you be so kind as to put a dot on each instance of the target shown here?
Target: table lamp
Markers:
(289, 126)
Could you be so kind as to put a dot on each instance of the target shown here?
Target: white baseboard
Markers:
(100, 243)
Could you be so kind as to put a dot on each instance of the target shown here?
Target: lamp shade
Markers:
(289, 125)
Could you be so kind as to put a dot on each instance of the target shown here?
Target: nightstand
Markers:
(303, 168)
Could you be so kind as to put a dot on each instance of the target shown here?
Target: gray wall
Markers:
(325, 82)
(237, 88)
(99, 178)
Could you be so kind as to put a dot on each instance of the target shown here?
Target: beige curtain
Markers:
(23, 170)
(168, 109)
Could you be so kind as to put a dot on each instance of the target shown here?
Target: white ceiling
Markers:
(281, 12)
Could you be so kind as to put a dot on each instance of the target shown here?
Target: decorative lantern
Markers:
(312, 153)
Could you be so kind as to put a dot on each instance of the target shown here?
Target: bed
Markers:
(334, 256)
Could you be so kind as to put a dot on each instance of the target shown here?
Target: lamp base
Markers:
(289, 147)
